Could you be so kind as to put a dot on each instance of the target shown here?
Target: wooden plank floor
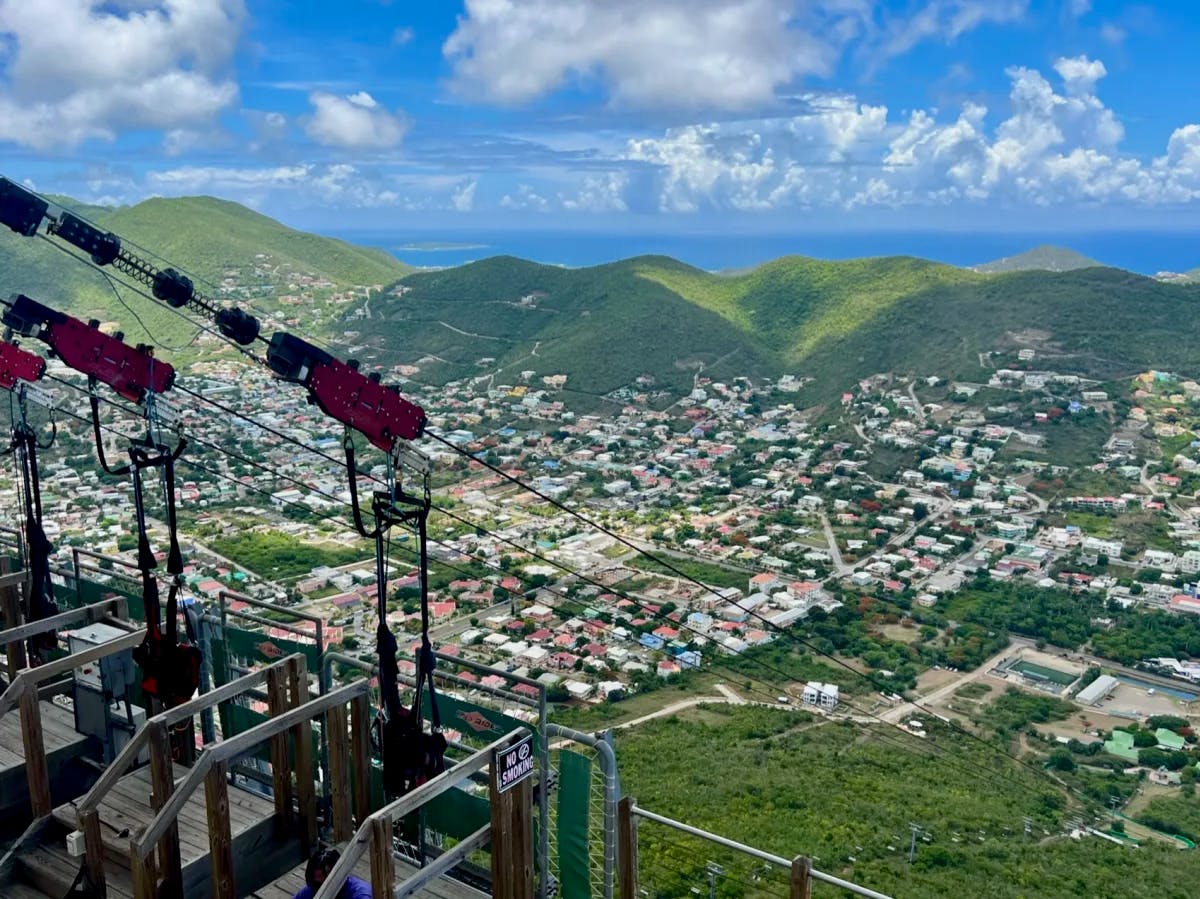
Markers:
(287, 886)
(58, 731)
(127, 807)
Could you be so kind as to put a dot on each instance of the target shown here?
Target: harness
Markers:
(170, 668)
(410, 755)
(24, 447)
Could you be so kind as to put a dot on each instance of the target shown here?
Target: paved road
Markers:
(906, 709)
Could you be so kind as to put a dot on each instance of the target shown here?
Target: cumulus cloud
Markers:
(463, 198)
(1053, 146)
(80, 69)
(730, 54)
(688, 54)
(356, 121)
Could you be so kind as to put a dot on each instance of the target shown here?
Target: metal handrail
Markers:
(28, 678)
(128, 755)
(405, 805)
(231, 749)
(755, 853)
(91, 613)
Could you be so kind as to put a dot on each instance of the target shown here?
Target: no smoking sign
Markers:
(514, 764)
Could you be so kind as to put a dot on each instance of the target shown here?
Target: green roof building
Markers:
(1121, 745)
(1169, 740)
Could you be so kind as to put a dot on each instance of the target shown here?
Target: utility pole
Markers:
(714, 871)
(1028, 822)
(917, 830)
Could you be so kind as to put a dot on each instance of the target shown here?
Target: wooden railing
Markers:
(23, 692)
(11, 587)
(211, 770)
(87, 808)
(510, 834)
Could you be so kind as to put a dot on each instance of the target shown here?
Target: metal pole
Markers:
(543, 800)
(755, 853)
(608, 766)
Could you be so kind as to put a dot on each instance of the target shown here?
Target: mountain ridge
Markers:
(1044, 257)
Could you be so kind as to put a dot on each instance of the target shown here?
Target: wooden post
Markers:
(360, 755)
(281, 771)
(89, 823)
(383, 867)
(627, 849)
(339, 772)
(801, 878)
(36, 770)
(10, 608)
(141, 869)
(512, 838)
(220, 841)
(162, 785)
(306, 794)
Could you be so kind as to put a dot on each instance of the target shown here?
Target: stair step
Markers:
(22, 891)
(52, 871)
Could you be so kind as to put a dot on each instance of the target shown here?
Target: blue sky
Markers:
(658, 115)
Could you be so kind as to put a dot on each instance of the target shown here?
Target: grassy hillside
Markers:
(794, 304)
(601, 326)
(793, 787)
(206, 237)
(834, 321)
(1043, 258)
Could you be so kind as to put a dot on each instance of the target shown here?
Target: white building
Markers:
(823, 695)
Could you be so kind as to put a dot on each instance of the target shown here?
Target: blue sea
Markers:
(1146, 252)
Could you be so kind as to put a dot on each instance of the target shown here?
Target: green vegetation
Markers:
(705, 572)
(737, 772)
(1043, 258)
(836, 320)
(203, 235)
(1066, 619)
(1014, 709)
(1173, 814)
(278, 556)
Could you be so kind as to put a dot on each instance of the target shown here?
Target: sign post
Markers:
(512, 820)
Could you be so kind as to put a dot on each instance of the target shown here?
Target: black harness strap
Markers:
(41, 587)
(410, 755)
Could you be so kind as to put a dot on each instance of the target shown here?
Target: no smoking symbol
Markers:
(523, 751)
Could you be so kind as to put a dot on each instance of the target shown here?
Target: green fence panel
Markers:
(236, 719)
(476, 723)
(574, 797)
(256, 647)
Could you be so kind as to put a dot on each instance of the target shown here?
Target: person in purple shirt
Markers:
(318, 868)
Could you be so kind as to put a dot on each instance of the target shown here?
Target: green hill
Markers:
(602, 326)
(1042, 258)
(834, 321)
(206, 237)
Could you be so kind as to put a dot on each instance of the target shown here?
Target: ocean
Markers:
(1146, 252)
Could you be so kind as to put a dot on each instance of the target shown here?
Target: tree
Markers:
(1062, 760)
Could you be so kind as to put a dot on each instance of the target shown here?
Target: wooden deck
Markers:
(62, 743)
(287, 886)
(258, 854)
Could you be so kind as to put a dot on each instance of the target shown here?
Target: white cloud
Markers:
(463, 198)
(1053, 147)
(689, 54)
(598, 193)
(731, 54)
(356, 121)
(945, 20)
(402, 36)
(80, 69)
(1079, 8)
